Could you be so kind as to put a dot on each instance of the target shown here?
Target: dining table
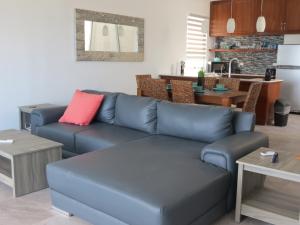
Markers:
(225, 98)
(270, 92)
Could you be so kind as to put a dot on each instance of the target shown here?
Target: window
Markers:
(196, 44)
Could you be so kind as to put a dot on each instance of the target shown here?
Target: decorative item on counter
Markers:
(268, 45)
(223, 45)
(216, 45)
(265, 44)
(182, 67)
(217, 59)
(237, 44)
(258, 45)
(274, 46)
(201, 75)
(232, 46)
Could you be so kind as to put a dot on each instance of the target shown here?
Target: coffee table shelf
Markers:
(5, 167)
(272, 206)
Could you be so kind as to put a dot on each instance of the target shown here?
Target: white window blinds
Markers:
(196, 44)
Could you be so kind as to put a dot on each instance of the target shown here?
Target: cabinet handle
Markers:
(284, 26)
(281, 26)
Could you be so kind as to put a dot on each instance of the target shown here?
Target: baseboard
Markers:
(295, 113)
(62, 212)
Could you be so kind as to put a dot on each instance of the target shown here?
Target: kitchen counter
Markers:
(243, 75)
(270, 92)
(260, 80)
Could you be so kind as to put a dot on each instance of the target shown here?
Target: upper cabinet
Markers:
(282, 16)
(244, 11)
(292, 17)
(273, 11)
(219, 14)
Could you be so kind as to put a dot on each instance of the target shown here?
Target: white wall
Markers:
(292, 39)
(37, 49)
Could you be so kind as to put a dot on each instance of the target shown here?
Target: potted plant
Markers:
(201, 75)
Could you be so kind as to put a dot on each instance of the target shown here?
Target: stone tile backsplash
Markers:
(254, 62)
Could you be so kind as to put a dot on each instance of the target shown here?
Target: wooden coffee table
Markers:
(23, 163)
(266, 204)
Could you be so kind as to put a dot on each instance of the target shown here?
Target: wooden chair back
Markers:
(252, 97)
(210, 82)
(155, 88)
(230, 83)
(182, 91)
(139, 78)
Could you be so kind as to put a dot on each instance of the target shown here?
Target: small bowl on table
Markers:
(220, 87)
(199, 89)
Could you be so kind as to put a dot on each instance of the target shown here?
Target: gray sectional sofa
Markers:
(148, 162)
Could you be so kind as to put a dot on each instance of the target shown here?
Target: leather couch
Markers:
(148, 162)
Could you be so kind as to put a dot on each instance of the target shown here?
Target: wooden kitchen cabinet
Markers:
(292, 17)
(273, 11)
(282, 17)
(219, 14)
(244, 12)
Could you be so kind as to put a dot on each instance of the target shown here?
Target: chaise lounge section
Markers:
(148, 162)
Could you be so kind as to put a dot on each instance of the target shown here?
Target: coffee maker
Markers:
(270, 74)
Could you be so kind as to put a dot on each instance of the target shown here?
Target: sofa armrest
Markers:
(224, 153)
(41, 117)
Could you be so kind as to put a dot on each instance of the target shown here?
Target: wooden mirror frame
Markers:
(82, 55)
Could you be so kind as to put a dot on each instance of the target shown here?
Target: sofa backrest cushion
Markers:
(135, 112)
(243, 121)
(106, 112)
(196, 122)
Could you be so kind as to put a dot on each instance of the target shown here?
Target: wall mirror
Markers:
(109, 37)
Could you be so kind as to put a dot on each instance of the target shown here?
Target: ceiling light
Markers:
(261, 20)
(231, 23)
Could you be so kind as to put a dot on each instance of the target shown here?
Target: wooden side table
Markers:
(25, 112)
(23, 163)
(268, 205)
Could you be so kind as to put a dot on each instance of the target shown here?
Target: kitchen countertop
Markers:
(261, 80)
(248, 77)
(237, 74)
(256, 77)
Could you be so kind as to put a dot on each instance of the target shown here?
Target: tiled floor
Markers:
(35, 209)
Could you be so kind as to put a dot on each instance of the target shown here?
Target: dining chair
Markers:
(230, 83)
(252, 97)
(139, 78)
(210, 82)
(182, 91)
(155, 88)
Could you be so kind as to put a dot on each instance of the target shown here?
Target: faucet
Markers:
(230, 64)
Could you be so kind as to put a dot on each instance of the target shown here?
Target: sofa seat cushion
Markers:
(103, 135)
(139, 183)
(62, 133)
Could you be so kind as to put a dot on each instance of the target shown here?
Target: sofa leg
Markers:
(62, 212)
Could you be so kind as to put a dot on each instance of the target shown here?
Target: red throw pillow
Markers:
(82, 108)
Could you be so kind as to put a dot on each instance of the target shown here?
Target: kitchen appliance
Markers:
(270, 74)
(223, 67)
(288, 70)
